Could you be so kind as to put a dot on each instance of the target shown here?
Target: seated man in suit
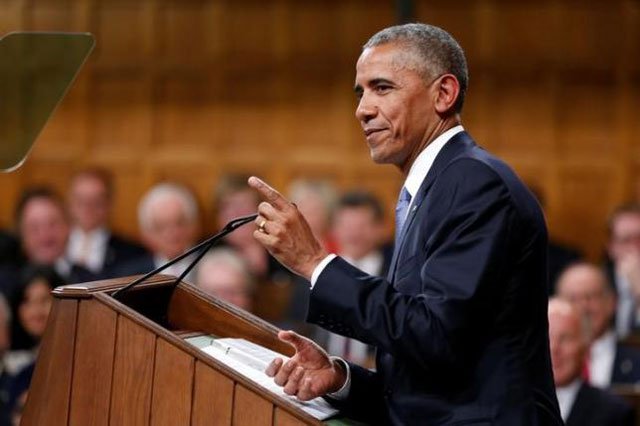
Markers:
(358, 229)
(91, 243)
(460, 323)
(169, 221)
(43, 231)
(609, 362)
(580, 403)
(623, 249)
(224, 274)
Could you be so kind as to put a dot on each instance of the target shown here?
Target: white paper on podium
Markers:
(251, 360)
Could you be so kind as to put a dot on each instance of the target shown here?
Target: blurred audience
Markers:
(43, 231)
(234, 198)
(358, 228)
(92, 245)
(623, 250)
(169, 221)
(609, 362)
(580, 403)
(316, 200)
(224, 274)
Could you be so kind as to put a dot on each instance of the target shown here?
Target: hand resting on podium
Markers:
(310, 373)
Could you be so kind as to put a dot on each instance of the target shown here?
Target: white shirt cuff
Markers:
(323, 264)
(342, 393)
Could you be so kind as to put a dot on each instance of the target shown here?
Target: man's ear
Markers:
(448, 89)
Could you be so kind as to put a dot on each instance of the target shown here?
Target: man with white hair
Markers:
(609, 362)
(224, 274)
(168, 217)
(580, 403)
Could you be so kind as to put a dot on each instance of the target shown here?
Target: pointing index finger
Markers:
(270, 194)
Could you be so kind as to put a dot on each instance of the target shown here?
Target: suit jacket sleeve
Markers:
(460, 258)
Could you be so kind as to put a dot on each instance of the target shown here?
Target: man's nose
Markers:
(365, 110)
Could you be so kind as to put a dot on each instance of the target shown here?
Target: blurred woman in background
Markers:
(30, 308)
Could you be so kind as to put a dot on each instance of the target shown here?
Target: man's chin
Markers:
(379, 158)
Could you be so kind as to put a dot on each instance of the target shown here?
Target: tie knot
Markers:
(404, 195)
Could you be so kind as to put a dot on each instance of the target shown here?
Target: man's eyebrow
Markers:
(377, 81)
(374, 82)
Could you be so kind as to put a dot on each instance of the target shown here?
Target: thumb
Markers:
(294, 339)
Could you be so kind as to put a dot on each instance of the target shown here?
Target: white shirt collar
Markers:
(422, 164)
(567, 396)
(88, 249)
(601, 359)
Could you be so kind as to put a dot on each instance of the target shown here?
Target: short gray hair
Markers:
(227, 256)
(161, 192)
(437, 51)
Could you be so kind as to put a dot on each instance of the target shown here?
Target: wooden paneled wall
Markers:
(192, 89)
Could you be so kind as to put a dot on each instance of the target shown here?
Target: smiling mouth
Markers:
(369, 132)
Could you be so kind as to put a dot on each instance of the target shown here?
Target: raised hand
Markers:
(284, 232)
(310, 373)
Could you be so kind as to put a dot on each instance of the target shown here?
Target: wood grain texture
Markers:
(213, 397)
(172, 386)
(48, 402)
(93, 365)
(282, 418)
(132, 374)
(250, 409)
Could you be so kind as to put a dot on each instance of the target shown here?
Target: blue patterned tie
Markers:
(401, 213)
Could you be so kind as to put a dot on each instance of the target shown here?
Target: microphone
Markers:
(203, 246)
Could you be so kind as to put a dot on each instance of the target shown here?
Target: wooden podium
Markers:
(109, 362)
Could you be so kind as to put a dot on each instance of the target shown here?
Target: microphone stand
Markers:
(203, 246)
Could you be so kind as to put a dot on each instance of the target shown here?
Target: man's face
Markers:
(567, 346)
(586, 289)
(224, 282)
(625, 236)
(357, 231)
(170, 231)
(396, 107)
(89, 203)
(43, 230)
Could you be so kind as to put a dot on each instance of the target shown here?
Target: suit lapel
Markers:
(458, 143)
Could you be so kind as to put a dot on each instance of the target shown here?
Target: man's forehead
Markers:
(389, 57)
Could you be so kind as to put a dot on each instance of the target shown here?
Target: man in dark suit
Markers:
(43, 230)
(460, 324)
(609, 362)
(92, 244)
(580, 403)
